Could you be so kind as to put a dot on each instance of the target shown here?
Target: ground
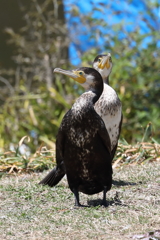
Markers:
(29, 211)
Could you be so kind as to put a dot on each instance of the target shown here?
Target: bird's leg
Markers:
(76, 195)
(104, 202)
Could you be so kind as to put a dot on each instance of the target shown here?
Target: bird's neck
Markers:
(86, 101)
(106, 80)
(89, 97)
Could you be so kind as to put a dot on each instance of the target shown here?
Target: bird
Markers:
(108, 106)
(83, 147)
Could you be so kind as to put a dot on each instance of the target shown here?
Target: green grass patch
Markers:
(32, 211)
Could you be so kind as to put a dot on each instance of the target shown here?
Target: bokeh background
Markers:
(38, 35)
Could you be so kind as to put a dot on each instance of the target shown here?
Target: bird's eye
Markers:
(80, 73)
(99, 59)
(110, 59)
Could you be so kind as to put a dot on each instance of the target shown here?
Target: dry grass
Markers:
(139, 153)
(13, 161)
(31, 211)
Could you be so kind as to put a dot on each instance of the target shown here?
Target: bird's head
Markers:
(103, 64)
(89, 78)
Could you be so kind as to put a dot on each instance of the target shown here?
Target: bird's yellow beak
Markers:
(78, 76)
(104, 62)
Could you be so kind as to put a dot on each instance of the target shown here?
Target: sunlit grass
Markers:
(14, 161)
(137, 154)
(43, 158)
(32, 211)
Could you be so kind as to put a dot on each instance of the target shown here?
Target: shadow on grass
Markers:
(124, 183)
(115, 201)
(98, 202)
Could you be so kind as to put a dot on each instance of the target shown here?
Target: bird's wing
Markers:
(115, 148)
(103, 133)
(114, 151)
(60, 141)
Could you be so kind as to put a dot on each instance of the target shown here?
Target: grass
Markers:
(14, 161)
(31, 211)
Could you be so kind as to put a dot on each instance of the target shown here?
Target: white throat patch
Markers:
(89, 81)
(104, 72)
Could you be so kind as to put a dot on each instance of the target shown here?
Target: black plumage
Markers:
(108, 107)
(83, 149)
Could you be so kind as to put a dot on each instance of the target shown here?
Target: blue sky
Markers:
(132, 15)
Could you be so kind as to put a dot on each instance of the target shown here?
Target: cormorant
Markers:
(83, 148)
(109, 105)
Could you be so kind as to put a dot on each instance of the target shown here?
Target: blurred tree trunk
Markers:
(37, 35)
(12, 16)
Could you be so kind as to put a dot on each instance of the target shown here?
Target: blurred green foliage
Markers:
(33, 100)
(136, 79)
(136, 73)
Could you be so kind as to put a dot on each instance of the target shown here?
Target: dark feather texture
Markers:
(54, 176)
(83, 148)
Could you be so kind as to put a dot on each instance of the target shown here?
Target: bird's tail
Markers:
(53, 177)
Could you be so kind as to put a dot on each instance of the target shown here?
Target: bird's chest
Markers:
(109, 109)
(81, 137)
(112, 123)
(83, 141)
